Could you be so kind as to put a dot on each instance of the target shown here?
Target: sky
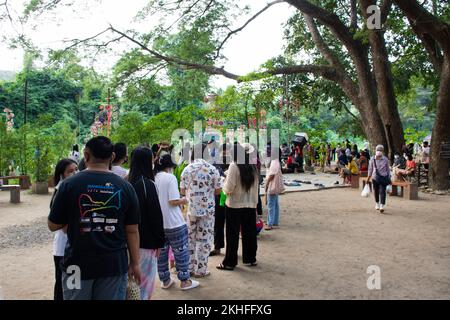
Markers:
(246, 51)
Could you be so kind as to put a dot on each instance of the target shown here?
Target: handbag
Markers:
(366, 191)
(133, 290)
(383, 180)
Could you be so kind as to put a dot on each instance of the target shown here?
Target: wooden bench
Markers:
(24, 181)
(14, 192)
(408, 191)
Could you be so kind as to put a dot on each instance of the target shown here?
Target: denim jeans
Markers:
(274, 210)
(178, 240)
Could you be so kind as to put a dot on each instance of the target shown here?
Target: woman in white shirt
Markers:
(65, 168)
(241, 187)
(175, 228)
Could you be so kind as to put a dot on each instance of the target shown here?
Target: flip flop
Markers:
(202, 275)
(194, 284)
(223, 267)
(165, 287)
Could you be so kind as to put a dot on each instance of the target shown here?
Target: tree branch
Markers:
(426, 23)
(353, 15)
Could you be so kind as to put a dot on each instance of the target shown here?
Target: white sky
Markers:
(246, 51)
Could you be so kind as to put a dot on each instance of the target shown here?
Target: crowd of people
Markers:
(114, 226)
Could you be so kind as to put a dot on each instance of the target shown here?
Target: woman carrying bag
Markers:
(380, 174)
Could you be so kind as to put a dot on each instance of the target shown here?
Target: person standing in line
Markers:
(64, 169)
(120, 158)
(200, 182)
(175, 228)
(274, 187)
(101, 213)
(380, 174)
(241, 187)
(219, 216)
(151, 228)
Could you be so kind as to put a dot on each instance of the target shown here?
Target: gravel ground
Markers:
(25, 236)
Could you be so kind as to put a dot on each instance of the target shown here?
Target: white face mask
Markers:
(379, 153)
(396, 156)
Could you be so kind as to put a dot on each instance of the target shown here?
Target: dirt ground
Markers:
(325, 243)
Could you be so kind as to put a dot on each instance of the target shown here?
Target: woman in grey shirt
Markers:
(381, 163)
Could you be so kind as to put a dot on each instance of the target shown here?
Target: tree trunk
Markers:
(434, 32)
(439, 167)
(387, 102)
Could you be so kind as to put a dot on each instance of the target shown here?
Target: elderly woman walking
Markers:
(380, 174)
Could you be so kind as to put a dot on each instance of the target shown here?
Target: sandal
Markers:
(214, 253)
(201, 275)
(194, 284)
(165, 287)
(223, 267)
(268, 228)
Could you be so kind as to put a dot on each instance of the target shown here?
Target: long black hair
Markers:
(141, 164)
(61, 166)
(247, 170)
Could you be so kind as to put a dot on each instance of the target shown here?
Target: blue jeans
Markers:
(274, 210)
(178, 240)
(110, 288)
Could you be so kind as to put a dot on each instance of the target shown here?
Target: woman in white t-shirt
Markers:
(175, 228)
(64, 169)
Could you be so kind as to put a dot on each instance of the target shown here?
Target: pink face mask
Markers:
(378, 154)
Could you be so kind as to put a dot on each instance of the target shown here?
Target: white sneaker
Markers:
(381, 208)
(377, 206)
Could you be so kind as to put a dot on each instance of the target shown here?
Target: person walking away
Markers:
(241, 187)
(101, 213)
(274, 187)
(200, 182)
(151, 230)
(175, 228)
(380, 175)
(120, 158)
(64, 169)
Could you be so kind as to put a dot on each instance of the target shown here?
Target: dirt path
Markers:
(322, 249)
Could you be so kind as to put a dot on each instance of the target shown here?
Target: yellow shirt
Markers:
(353, 167)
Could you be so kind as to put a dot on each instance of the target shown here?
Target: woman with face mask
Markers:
(380, 174)
(65, 168)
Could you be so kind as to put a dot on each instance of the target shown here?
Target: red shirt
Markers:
(411, 164)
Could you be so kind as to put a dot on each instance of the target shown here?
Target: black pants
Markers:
(58, 291)
(243, 220)
(219, 226)
(380, 192)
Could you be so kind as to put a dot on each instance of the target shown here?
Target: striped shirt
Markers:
(382, 166)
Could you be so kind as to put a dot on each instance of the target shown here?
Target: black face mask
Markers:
(126, 160)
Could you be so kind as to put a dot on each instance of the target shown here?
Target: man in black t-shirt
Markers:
(100, 212)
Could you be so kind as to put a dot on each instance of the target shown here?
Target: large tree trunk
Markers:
(435, 35)
(387, 102)
(439, 171)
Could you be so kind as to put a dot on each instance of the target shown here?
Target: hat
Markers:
(165, 161)
(379, 148)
